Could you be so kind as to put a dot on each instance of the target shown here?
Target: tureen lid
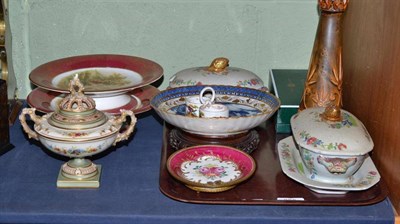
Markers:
(77, 111)
(331, 131)
(218, 73)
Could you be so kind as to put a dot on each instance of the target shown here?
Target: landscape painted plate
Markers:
(100, 74)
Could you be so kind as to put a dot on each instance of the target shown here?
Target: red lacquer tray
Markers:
(268, 186)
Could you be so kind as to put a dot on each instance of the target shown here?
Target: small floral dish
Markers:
(218, 73)
(248, 108)
(333, 143)
(211, 168)
(293, 166)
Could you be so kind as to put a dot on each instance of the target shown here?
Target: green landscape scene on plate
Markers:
(93, 80)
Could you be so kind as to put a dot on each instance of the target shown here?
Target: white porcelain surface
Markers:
(77, 142)
(229, 76)
(79, 149)
(103, 102)
(77, 128)
(210, 168)
(47, 130)
(248, 108)
(294, 167)
(332, 151)
(193, 103)
(211, 110)
(346, 137)
(330, 169)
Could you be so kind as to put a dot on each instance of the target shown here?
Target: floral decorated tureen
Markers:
(218, 73)
(333, 143)
(77, 130)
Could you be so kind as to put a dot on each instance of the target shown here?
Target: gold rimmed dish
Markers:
(211, 168)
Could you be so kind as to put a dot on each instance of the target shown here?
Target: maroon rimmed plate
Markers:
(100, 74)
(211, 168)
(45, 101)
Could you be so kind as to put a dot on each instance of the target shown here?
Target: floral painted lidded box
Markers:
(218, 73)
(333, 143)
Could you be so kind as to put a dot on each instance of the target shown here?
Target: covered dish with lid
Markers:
(333, 143)
(218, 73)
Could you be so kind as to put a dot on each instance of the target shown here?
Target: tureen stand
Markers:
(247, 142)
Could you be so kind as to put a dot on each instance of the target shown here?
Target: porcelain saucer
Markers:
(293, 166)
(211, 168)
(45, 101)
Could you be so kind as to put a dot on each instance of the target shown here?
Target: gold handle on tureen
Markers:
(125, 135)
(34, 117)
(218, 65)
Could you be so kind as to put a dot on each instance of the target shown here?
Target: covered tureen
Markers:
(78, 130)
(218, 73)
(333, 143)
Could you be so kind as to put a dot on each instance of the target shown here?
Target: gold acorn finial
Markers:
(218, 64)
(332, 113)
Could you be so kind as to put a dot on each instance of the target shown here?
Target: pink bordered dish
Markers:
(100, 74)
(211, 168)
(46, 101)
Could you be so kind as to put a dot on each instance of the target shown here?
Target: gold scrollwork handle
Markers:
(2, 31)
(125, 135)
(3, 54)
(2, 24)
(34, 117)
(3, 64)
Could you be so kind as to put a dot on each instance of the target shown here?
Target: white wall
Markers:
(255, 35)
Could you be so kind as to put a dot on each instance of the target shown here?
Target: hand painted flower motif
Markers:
(206, 169)
(212, 171)
(366, 181)
(251, 82)
(255, 81)
(287, 157)
(347, 121)
(180, 82)
(308, 160)
(342, 146)
(74, 151)
(313, 141)
(76, 134)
